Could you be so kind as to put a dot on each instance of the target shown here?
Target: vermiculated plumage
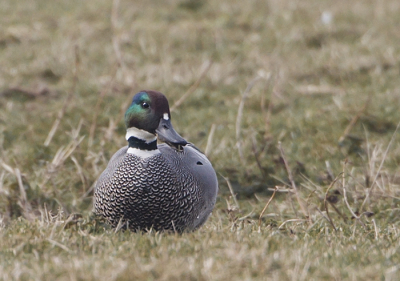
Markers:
(158, 192)
(170, 186)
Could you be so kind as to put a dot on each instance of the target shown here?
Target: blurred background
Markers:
(240, 77)
(254, 84)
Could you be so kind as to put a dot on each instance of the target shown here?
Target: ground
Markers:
(299, 98)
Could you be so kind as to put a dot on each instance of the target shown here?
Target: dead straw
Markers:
(379, 169)
(67, 100)
(265, 208)
(353, 122)
(96, 111)
(240, 115)
(326, 202)
(292, 181)
(231, 191)
(209, 140)
(193, 87)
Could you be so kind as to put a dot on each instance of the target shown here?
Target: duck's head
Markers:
(149, 115)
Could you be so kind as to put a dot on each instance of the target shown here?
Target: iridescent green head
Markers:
(149, 112)
(146, 110)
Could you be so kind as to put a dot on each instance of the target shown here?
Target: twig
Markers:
(291, 220)
(109, 131)
(7, 167)
(24, 203)
(228, 204)
(313, 90)
(173, 226)
(322, 214)
(67, 100)
(267, 119)
(357, 218)
(371, 164)
(376, 229)
(23, 199)
(289, 197)
(63, 153)
(47, 214)
(239, 117)
(90, 189)
(80, 172)
(292, 181)
(345, 192)
(265, 208)
(313, 192)
(317, 187)
(115, 39)
(120, 224)
(326, 201)
(59, 158)
(71, 218)
(256, 154)
(379, 169)
(280, 190)
(353, 122)
(209, 140)
(339, 213)
(328, 169)
(97, 107)
(246, 216)
(193, 87)
(55, 243)
(231, 191)
(267, 113)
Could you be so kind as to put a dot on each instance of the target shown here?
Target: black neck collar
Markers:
(141, 144)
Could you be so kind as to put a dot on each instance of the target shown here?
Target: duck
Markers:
(168, 186)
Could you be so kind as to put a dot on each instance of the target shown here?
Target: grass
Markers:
(257, 75)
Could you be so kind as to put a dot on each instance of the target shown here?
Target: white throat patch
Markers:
(140, 134)
(166, 117)
(143, 153)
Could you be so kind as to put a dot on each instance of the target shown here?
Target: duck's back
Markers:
(162, 191)
(193, 162)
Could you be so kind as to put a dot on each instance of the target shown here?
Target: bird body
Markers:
(170, 186)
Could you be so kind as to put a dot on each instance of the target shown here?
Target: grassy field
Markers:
(301, 96)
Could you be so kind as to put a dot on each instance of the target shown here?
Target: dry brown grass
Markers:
(243, 76)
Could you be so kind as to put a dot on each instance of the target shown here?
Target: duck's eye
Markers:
(145, 105)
